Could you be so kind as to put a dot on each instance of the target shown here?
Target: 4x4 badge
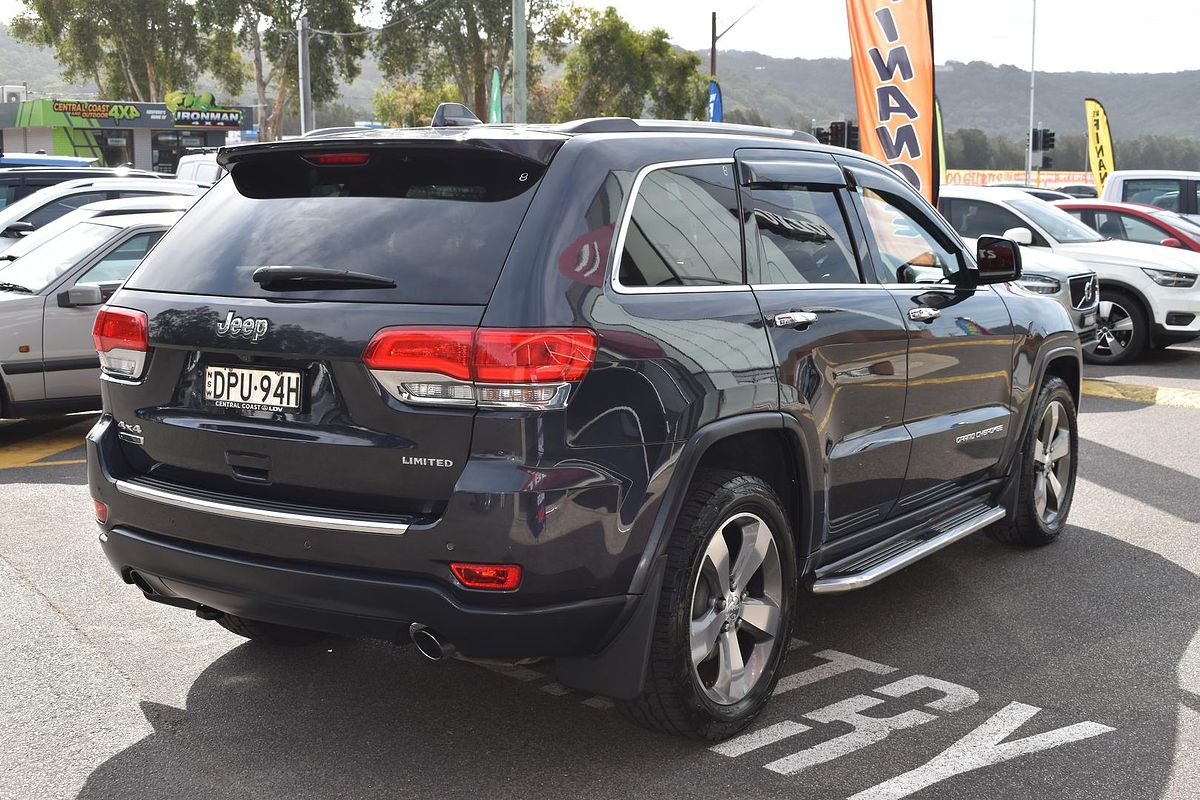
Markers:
(246, 327)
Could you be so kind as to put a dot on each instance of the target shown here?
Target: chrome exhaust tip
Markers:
(428, 643)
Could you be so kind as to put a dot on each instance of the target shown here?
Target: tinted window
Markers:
(54, 210)
(684, 229)
(802, 237)
(1127, 226)
(116, 265)
(908, 248)
(438, 223)
(1161, 192)
(975, 218)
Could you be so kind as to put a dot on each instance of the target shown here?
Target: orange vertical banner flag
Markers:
(891, 51)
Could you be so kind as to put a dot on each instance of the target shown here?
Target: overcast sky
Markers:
(1090, 35)
(1087, 35)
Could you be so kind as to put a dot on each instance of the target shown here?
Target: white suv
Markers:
(1148, 294)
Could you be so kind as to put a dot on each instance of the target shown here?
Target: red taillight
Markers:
(337, 159)
(533, 355)
(121, 329)
(487, 576)
(495, 357)
(101, 512)
(444, 351)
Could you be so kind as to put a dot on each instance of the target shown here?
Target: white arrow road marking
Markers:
(982, 747)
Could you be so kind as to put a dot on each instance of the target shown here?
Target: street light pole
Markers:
(520, 64)
(1029, 130)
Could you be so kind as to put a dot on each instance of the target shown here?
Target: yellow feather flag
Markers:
(1100, 147)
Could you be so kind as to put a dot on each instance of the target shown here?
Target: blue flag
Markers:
(715, 112)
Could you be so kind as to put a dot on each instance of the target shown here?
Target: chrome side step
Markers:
(843, 582)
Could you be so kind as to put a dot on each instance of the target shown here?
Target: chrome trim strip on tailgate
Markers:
(253, 514)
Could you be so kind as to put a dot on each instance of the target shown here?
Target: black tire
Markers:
(1120, 305)
(270, 633)
(674, 698)
(1030, 526)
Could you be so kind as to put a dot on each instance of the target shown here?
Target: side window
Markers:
(1161, 192)
(975, 218)
(684, 230)
(909, 252)
(53, 210)
(1136, 230)
(802, 236)
(119, 262)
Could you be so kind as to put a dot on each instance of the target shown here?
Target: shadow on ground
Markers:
(1088, 629)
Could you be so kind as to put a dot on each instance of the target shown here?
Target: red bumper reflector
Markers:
(487, 576)
(101, 512)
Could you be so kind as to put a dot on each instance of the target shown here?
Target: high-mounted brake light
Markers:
(337, 159)
(122, 341)
(488, 367)
(498, 577)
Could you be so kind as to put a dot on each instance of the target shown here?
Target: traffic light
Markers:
(821, 134)
(852, 136)
(837, 133)
(1047, 139)
(1035, 137)
(1047, 162)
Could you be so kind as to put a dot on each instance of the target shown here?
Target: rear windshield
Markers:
(439, 223)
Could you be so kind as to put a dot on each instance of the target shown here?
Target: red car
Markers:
(1135, 222)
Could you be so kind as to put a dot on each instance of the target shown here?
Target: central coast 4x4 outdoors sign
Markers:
(181, 110)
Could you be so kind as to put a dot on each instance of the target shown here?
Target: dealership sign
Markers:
(181, 110)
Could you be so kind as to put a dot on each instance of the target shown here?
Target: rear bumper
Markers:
(350, 602)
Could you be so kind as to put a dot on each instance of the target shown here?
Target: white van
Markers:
(1174, 190)
(202, 168)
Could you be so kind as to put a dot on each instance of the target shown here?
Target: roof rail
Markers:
(629, 125)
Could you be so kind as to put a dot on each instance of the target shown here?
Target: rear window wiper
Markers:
(15, 287)
(286, 277)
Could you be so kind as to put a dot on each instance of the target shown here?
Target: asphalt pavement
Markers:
(984, 671)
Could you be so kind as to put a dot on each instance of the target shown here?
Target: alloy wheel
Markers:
(1114, 330)
(1052, 463)
(736, 609)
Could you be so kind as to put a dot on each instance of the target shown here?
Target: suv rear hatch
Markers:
(261, 302)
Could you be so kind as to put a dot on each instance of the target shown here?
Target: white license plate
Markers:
(253, 389)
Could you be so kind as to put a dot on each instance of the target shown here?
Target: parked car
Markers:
(143, 204)
(1135, 222)
(1083, 190)
(41, 159)
(1174, 190)
(522, 393)
(1040, 192)
(17, 183)
(1148, 294)
(200, 167)
(47, 205)
(48, 302)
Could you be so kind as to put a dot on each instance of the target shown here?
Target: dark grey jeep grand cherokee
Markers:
(618, 394)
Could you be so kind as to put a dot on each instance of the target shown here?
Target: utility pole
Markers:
(307, 118)
(520, 64)
(1029, 130)
(712, 56)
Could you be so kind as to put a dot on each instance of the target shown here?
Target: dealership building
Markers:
(147, 135)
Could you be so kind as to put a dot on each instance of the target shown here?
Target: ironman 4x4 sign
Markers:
(201, 111)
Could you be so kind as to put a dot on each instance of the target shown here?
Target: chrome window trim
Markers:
(771, 287)
(251, 514)
(614, 257)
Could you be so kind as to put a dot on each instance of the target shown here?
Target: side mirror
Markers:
(16, 230)
(1171, 241)
(1020, 235)
(83, 294)
(999, 259)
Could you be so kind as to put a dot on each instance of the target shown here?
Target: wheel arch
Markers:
(1137, 294)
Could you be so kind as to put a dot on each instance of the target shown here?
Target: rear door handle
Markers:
(795, 319)
(923, 314)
